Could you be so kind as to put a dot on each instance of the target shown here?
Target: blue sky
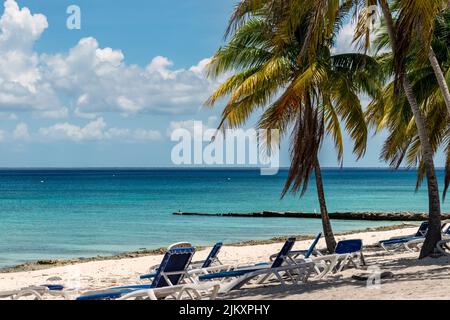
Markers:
(108, 94)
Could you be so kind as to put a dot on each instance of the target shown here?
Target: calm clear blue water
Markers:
(51, 214)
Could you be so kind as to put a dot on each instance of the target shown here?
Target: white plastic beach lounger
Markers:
(296, 254)
(397, 243)
(194, 291)
(325, 264)
(176, 245)
(415, 245)
(347, 253)
(281, 258)
(283, 269)
(293, 274)
(170, 274)
(36, 292)
(211, 260)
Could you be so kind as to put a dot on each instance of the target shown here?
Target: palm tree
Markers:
(311, 96)
(288, 15)
(434, 229)
(402, 80)
(392, 111)
(416, 20)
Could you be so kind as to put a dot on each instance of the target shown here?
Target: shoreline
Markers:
(51, 263)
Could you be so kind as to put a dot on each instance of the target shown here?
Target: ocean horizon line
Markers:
(200, 168)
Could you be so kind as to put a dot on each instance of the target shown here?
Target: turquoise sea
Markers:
(53, 214)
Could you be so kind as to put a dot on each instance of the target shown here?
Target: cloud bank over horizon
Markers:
(84, 83)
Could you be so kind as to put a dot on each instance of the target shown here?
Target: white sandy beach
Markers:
(413, 279)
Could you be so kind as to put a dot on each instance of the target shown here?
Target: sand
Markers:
(412, 279)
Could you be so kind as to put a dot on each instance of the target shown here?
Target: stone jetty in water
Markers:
(374, 216)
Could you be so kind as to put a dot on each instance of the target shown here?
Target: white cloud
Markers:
(160, 65)
(133, 135)
(98, 80)
(96, 130)
(142, 134)
(127, 105)
(66, 131)
(19, 27)
(110, 56)
(2, 136)
(22, 87)
(21, 132)
(201, 66)
(88, 79)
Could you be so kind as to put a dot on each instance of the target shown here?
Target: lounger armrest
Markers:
(411, 236)
(415, 241)
(213, 269)
(174, 273)
(147, 276)
(293, 253)
(196, 263)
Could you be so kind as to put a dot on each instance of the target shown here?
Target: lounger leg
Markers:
(363, 259)
(292, 278)
(193, 294)
(264, 278)
(280, 278)
(214, 292)
(151, 294)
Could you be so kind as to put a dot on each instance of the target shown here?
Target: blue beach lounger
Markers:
(305, 254)
(280, 257)
(208, 262)
(34, 291)
(323, 263)
(296, 272)
(211, 258)
(353, 249)
(394, 244)
(416, 243)
(346, 253)
(171, 272)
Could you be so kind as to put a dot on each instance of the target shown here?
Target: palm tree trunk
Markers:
(434, 229)
(440, 78)
(326, 224)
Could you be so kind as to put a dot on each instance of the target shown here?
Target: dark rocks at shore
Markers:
(44, 264)
(373, 216)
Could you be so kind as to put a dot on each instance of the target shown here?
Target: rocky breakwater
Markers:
(373, 216)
